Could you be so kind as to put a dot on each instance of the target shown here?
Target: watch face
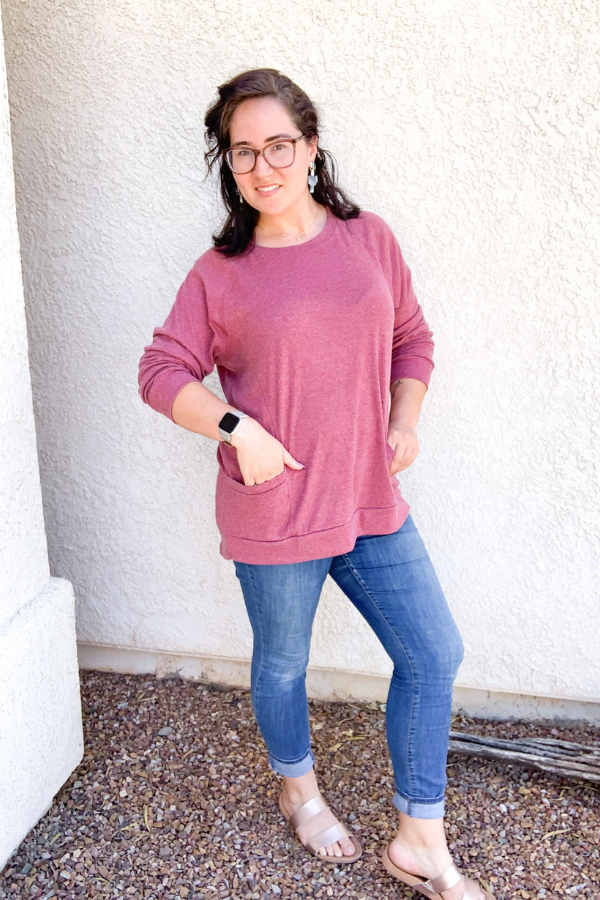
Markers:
(228, 422)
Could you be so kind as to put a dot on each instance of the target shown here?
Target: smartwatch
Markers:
(230, 423)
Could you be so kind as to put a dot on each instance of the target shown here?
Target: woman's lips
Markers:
(268, 190)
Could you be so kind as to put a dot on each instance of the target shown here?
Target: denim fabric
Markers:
(392, 583)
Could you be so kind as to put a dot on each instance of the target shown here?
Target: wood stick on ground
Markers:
(560, 757)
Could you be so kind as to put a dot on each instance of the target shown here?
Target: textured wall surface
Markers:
(41, 740)
(40, 710)
(473, 130)
(23, 552)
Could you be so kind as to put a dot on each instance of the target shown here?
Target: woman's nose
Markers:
(262, 167)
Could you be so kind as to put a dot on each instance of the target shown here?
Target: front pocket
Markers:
(257, 512)
(257, 488)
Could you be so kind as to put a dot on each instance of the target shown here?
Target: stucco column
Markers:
(40, 710)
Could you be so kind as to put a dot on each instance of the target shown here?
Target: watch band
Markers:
(226, 434)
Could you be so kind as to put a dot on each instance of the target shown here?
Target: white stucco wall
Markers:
(40, 710)
(23, 553)
(472, 129)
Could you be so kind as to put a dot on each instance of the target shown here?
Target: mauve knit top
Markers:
(306, 339)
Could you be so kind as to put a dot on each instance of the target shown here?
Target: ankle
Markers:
(299, 790)
(419, 857)
(422, 843)
(436, 849)
(422, 834)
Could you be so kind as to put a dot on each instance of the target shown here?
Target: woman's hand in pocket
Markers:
(260, 455)
(405, 444)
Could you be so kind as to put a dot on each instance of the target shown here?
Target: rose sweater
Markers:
(306, 339)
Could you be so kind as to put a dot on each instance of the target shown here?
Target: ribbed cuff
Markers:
(417, 367)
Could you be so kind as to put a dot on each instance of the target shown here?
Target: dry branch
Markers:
(549, 755)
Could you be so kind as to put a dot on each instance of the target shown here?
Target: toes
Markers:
(331, 850)
(344, 848)
(348, 848)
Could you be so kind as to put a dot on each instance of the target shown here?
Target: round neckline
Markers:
(321, 237)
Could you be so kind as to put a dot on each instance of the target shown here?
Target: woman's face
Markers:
(272, 191)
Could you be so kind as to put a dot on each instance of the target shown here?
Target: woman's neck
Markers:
(301, 223)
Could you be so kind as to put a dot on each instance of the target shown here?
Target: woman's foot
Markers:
(420, 849)
(297, 791)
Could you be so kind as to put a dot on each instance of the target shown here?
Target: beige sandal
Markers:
(434, 888)
(314, 839)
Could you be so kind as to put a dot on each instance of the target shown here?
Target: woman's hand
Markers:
(403, 439)
(260, 455)
(407, 397)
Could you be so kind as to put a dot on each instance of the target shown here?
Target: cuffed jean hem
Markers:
(418, 809)
(292, 769)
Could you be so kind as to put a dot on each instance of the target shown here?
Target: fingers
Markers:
(259, 479)
(405, 454)
(261, 470)
(290, 461)
(255, 479)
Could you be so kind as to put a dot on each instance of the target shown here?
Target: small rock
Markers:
(236, 830)
(166, 731)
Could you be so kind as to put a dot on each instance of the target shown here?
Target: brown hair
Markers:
(237, 234)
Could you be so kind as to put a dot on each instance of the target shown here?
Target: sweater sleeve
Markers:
(412, 344)
(182, 349)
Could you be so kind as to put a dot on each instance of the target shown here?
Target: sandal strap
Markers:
(436, 887)
(307, 811)
(312, 809)
(327, 836)
(448, 879)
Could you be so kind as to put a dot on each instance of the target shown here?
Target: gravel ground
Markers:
(174, 799)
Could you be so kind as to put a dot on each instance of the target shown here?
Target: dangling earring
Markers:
(240, 195)
(312, 178)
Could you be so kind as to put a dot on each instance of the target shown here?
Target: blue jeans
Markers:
(391, 581)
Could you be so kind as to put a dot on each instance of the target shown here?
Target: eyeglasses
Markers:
(279, 154)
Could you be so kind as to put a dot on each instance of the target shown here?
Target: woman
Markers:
(306, 307)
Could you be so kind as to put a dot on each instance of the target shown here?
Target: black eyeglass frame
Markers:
(257, 153)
